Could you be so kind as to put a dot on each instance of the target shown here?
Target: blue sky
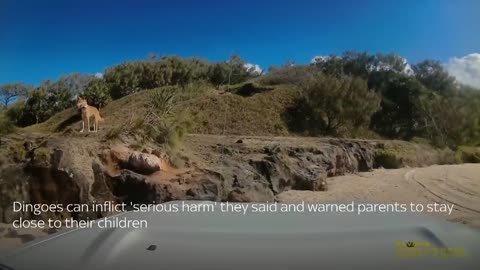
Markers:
(45, 39)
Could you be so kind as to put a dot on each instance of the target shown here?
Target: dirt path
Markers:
(452, 184)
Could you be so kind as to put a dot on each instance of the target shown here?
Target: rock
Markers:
(82, 173)
(120, 154)
(240, 182)
(230, 151)
(293, 169)
(143, 163)
(158, 153)
(147, 150)
(100, 189)
(131, 187)
(204, 189)
(275, 172)
(256, 193)
(313, 183)
(56, 158)
(14, 186)
(322, 185)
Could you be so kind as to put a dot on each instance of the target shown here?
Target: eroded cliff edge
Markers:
(83, 169)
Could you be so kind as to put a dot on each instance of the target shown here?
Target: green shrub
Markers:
(42, 154)
(333, 106)
(467, 154)
(17, 152)
(97, 93)
(15, 111)
(159, 124)
(388, 160)
(6, 124)
(292, 75)
(161, 101)
(114, 133)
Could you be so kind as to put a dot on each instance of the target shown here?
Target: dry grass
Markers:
(398, 154)
(231, 114)
(467, 154)
(6, 125)
(116, 114)
(212, 112)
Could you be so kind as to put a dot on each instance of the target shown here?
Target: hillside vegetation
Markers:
(354, 95)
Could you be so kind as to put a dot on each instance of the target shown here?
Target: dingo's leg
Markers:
(83, 126)
(96, 125)
(88, 124)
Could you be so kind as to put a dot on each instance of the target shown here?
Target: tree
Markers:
(75, 83)
(123, 79)
(6, 124)
(43, 102)
(432, 74)
(15, 112)
(358, 64)
(331, 65)
(292, 75)
(457, 125)
(389, 62)
(36, 108)
(219, 73)
(10, 92)
(97, 93)
(238, 71)
(59, 100)
(337, 104)
(398, 115)
(58, 96)
(131, 77)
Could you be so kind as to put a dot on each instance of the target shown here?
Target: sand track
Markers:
(452, 184)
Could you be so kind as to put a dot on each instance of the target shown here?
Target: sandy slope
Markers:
(447, 184)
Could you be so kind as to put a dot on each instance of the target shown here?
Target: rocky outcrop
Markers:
(13, 187)
(143, 163)
(140, 162)
(131, 187)
(50, 179)
(250, 175)
(68, 172)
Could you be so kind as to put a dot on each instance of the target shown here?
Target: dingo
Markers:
(87, 113)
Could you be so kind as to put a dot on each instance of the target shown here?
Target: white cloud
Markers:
(466, 69)
(253, 68)
(319, 59)
(98, 75)
(408, 69)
